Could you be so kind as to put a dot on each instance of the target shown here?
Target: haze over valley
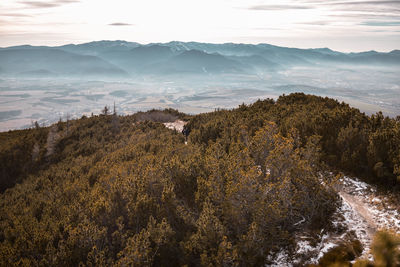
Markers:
(45, 84)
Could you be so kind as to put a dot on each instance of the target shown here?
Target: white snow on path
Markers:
(383, 213)
(355, 222)
(176, 125)
(366, 211)
(345, 217)
(362, 212)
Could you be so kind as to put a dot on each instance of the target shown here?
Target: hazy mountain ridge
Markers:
(195, 61)
(117, 58)
(96, 48)
(136, 59)
(18, 61)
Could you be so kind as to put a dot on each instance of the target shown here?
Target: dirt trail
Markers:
(361, 209)
(362, 212)
(374, 210)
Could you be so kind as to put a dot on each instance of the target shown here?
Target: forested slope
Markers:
(126, 190)
(350, 141)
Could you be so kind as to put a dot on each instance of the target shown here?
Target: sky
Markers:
(342, 25)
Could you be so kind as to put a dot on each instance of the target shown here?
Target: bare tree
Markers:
(115, 121)
(67, 123)
(105, 110)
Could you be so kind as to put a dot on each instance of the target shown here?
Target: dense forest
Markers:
(125, 190)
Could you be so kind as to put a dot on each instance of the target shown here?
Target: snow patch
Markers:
(344, 218)
(385, 215)
(176, 125)
(356, 187)
(380, 214)
(362, 211)
(279, 259)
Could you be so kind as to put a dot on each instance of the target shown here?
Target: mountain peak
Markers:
(395, 52)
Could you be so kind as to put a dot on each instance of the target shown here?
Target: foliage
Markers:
(385, 251)
(350, 141)
(124, 190)
(343, 254)
(21, 152)
(139, 196)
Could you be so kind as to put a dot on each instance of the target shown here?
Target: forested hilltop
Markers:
(125, 190)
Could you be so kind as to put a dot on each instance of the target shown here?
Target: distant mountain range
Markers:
(129, 59)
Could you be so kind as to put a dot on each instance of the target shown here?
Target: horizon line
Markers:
(217, 43)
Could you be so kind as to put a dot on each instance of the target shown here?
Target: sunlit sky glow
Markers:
(343, 25)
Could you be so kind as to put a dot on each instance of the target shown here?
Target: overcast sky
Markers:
(343, 25)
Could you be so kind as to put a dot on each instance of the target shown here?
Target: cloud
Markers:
(317, 23)
(35, 4)
(120, 24)
(360, 15)
(396, 3)
(351, 2)
(267, 29)
(278, 7)
(361, 11)
(47, 4)
(381, 23)
(366, 6)
(351, 6)
(14, 15)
